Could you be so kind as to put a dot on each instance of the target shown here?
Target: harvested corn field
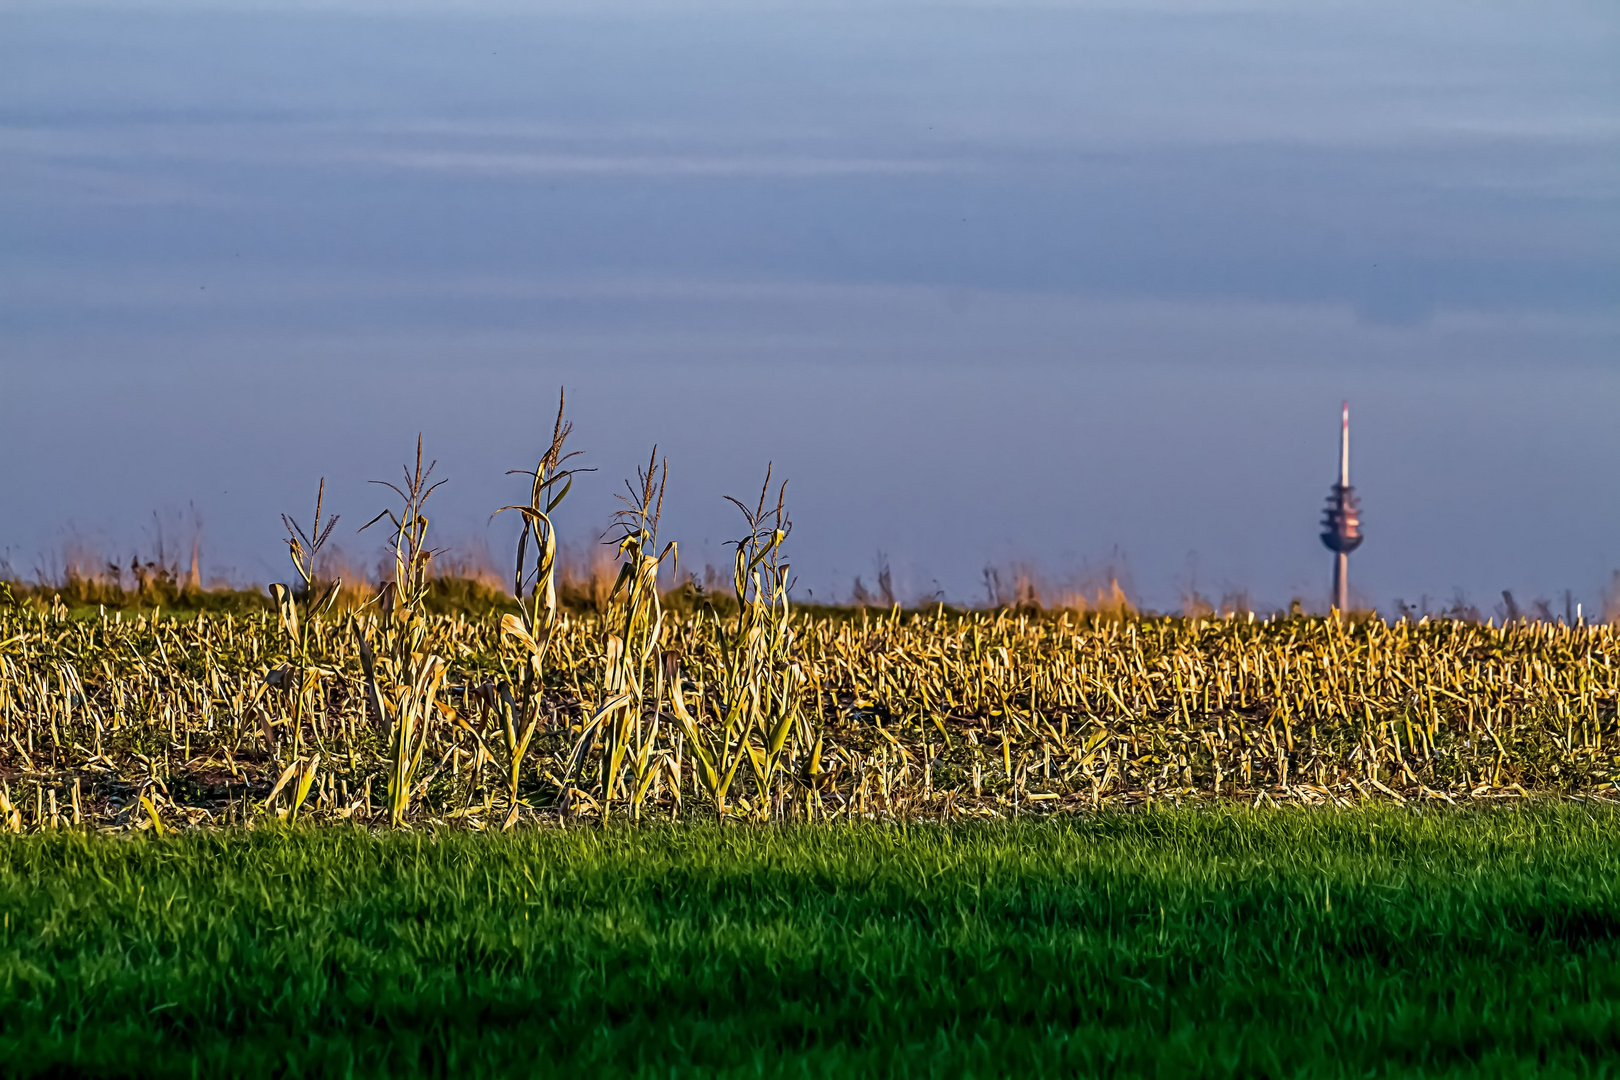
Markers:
(765, 714)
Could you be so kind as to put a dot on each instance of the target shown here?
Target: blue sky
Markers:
(1070, 284)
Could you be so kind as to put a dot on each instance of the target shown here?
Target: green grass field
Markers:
(1371, 942)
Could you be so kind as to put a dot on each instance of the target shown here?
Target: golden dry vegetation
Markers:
(134, 721)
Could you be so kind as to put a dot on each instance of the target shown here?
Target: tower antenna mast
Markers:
(1341, 521)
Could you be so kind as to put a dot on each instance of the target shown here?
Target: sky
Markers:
(1076, 286)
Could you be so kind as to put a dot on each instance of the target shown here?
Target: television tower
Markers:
(1341, 522)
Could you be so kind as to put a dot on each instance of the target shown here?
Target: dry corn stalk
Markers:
(406, 681)
(535, 587)
(629, 687)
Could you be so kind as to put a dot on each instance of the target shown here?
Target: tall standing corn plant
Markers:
(526, 636)
(631, 684)
(300, 677)
(403, 683)
(758, 685)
